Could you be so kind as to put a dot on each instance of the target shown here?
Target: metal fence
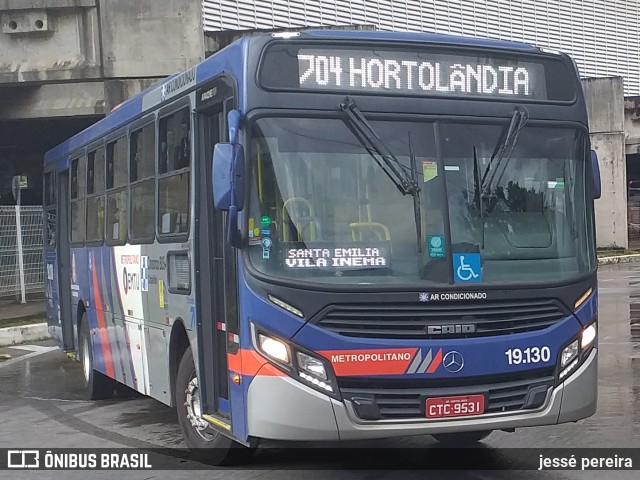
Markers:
(21, 274)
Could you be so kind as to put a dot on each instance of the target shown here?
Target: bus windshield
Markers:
(323, 207)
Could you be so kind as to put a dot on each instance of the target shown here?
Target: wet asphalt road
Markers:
(41, 405)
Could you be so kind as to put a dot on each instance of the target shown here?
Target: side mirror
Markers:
(595, 168)
(222, 161)
(228, 176)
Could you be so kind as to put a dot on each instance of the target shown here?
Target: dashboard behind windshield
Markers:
(323, 209)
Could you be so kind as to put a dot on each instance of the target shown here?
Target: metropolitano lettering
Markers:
(370, 357)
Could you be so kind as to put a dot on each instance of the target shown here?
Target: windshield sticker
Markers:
(435, 245)
(466, 267)
(266, 243)
(161, 293)
(331, 256)
(253, 233)
(265, 221)
(557, 184)
(429, 171)
(253, 239)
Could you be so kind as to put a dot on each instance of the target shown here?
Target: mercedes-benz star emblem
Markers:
(453, 361)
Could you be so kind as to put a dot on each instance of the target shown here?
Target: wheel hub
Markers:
(194, 410)
(85, 359)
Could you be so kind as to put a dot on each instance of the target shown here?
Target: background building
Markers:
(601, 35)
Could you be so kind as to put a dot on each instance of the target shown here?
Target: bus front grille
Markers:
(442, 319)
(389, 400)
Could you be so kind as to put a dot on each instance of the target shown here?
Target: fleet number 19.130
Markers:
(516, 356)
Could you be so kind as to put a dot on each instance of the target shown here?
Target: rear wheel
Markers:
(97, 385)
(462, 438)
(206, 443)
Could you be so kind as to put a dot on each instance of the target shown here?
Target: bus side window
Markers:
(175, 142)
(50, 195)
(116, 227)
(95, 195)
(77, 191)
(143, 185)
(173, 184)
(183, 150)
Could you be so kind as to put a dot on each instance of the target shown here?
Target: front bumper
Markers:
(281, 408)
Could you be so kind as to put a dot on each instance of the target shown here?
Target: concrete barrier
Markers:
(23, 333)
(618, 259)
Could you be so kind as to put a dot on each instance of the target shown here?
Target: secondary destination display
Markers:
(419, 73)
(298, 256)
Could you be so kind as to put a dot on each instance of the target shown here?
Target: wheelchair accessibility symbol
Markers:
(466, 267)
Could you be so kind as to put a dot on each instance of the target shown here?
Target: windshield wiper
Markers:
(477, 197)
(384, 157)
(504, 148)
(416, 196)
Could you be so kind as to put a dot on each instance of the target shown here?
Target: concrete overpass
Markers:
(66, 63)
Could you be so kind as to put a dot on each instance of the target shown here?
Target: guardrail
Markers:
(21, 244)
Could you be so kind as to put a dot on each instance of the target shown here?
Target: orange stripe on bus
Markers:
(249, 362)
(104, 334)
(269, 370)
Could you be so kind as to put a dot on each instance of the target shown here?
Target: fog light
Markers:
(588, 336)
(568, 370)
(569, 353)
(316, 382)
(274, 348)
(312, 365)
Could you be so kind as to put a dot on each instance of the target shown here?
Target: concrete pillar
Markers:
(605, 105)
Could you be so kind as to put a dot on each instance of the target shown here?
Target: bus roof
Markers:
(232, 59)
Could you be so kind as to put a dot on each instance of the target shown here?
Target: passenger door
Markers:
(215, 260)
(63, 254)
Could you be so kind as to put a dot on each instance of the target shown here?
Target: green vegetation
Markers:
(614, 252)
(19, 322)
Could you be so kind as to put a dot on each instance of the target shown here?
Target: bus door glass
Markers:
(216, 290)
(61, 242)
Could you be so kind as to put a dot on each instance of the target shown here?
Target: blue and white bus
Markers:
(336, 235)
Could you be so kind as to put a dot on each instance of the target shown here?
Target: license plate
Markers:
(460, 406)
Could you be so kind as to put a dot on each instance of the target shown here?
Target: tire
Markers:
(461, 439)
(98, 386)
(206, 443)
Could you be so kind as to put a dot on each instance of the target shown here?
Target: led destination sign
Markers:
(298, 256)
(419, 73)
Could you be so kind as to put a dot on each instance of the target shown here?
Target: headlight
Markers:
(568, 353)
(574, 353)
(301, 365)
(273, 348)
(312, 365)
(588, 336)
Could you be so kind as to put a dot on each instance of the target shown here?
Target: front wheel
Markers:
(206, 443)
(98, 386)
(461, 439)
